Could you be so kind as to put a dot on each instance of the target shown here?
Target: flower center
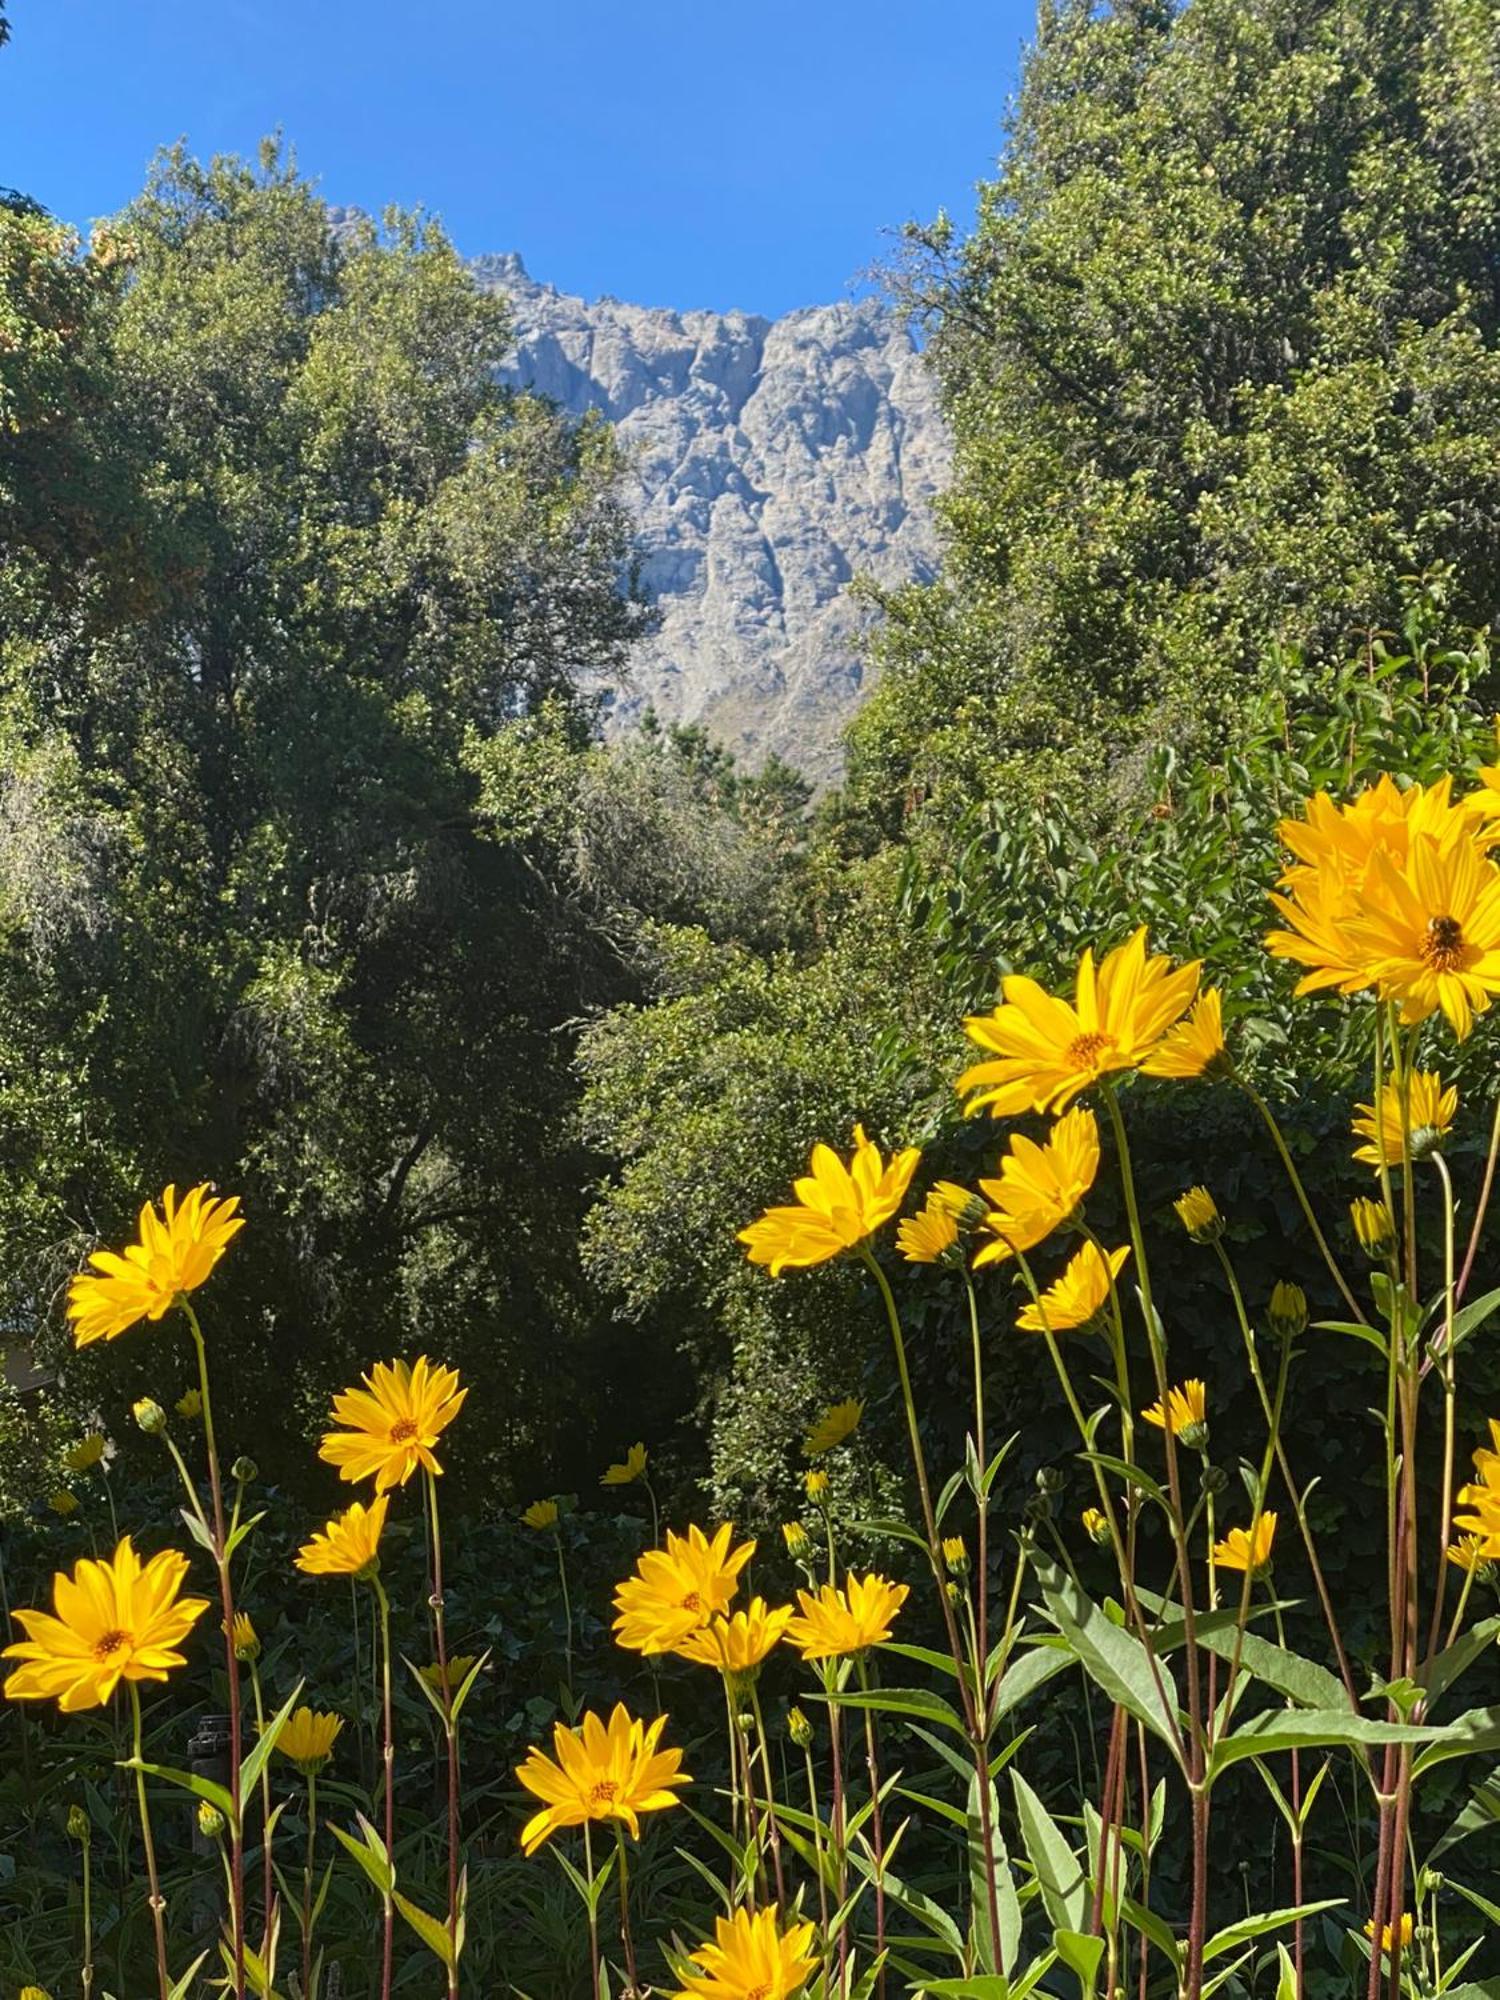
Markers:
(110, 1643)
(403, 1431)
(1443, 947)
(604, 1793)
(1085, 1050)
(758, 1993)
(692, 1602)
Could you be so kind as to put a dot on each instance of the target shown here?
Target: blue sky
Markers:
(673, 152)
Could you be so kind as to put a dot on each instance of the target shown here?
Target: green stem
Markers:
(388, 1761)
(308, 1864)
(877, 1843)
(562, 1577)
(628, 1942)
(1450, 1393)
(269, 1882)
(1309, 1213)
(588, 1870)
(153, 1880)
(450, 1732)
(87, 1974)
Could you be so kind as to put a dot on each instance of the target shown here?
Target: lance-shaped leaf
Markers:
(1114, 1658)
(1058, 1871)
(1312, 1729)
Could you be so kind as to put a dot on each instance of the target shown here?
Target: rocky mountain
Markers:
(772, 461)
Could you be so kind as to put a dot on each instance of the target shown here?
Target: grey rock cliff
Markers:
(771, 462)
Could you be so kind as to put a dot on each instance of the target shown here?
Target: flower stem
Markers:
(588, 1870)
(450, 1731)
(877, 1833)
(153, 1881)
(269, 1881)
(307, 1882)
(633, 1984)
(388, 1761)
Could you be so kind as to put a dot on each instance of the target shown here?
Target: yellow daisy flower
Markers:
(1469, 1552)
(631, 1468)
(928, 1237)
(1403, 1927)
(393, 1422)
(111, 1621)
(736, 1642)
(541, 1515)
(349, 1545)
(1374, 1226)
(1195, 1047)
(836, 1622)
(1096, 1526)
(1047, 1050)
(1432, 1109)
(307, 1739)
(1187, 1410)
(174, 1254)
(1079, 1296)
(87, 1453)
(1429, 933)
(600, 1772)
(750, 1959)
(837, 1424)
(677, 1589)
(1040, 1186)
(836, 1207)
(1238, 1551)
(1199, 1215)
(246, 1638)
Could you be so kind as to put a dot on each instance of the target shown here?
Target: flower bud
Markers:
(955, 1556)
(955, 1594)
(1096, 1526)
(745, 1721)
(246, 1638)
(796, 1538)
(1199, 1215)
(1214, 1479)
(63, 1502)
(799, 1729)
(1288, 1312)
(1050, 1480)
(189, 1405)
(210, 1820)
(817, 1487)
(244, 1471)
(80, 1826)
(1374, 1226)
(150, 1416)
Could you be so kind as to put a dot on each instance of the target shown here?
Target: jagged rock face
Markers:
(772, 461)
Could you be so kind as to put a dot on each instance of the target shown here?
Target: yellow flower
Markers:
(835, 1425)
(1429, 933)
(349, 1545)
(1432, 1111)
(955, 1555)
(678, 1589)
(1186, 1414)
(962, 1203)
(1047, 1050)
(460, 1666)
(1096, 1526)
(600, 1773)
(836, 1207)
(63, 1502)
(116, 1620)
(1079, 1296)
(1040, 1186)
(541, 1515)
(34, 1993)
(750, 1959)
(1199, 1215)
(927, 1238)
(1238, 1551)
(1373, 1226)
(1481, 1498)
(816, 1486)
(1195, 1047)
(796, 1538)
(175, 1253)
(246, 1638)
(189, 1405)
(393, 1422)
(86, 1454)
(1403, 1926)
(629, 1471)
(1288, 1310)
(836, 1622)
(307, 1738)
(736, 1642)
(1468, 1552)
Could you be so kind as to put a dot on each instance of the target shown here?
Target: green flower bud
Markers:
(150, 1415)
(80, 1826)
(799, 1729)
(210, 1821)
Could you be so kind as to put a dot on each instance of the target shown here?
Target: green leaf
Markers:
(1460, 1656)
(920, 1702)
(925, 1656)
(197, 1528)
(1059, 1875)
(1311, 1729)
(1029, 1670)
(1300, 1680)
(183, 1986)
(432, 1933)
(1477, 1729)
(1286, 1977)
(238, 1535)
(1116, 1660)
(1482, 1810)
(1471, 1317)
(187, 1781)
(369, 1851)
(1234, 1935)
(981, 1867)
(896, 1530)
(252, 1766)
(1357, 1330)
(1081, 1953)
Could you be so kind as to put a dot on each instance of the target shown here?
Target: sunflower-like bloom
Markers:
(815, 1484)
(750, 1959)
(307, 1739)
(1185, 1415)
(1374, 1227)
(1427, 1118)
(1079, 1296)
(1047, 1050)
(1429, 933)
(110, 1621)
(1468, 1552)
(349, 1545)
(87, 1453)
(836, 1622)
(175, 1252)
(1199, 1215)
(393, 1422)
(1239, 1550)
(1480, 1499)
(737, 1641)
(541, 1515)
(246, 1640)
(837, 1423)
(631, 1468)
(1195, 1047)
(1402, 1928)
(1335, 850)
(62, 1502)
(676, 1590)
(928, 1237)
(600, 1772)
(1039, 1186)
(836, 1207)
